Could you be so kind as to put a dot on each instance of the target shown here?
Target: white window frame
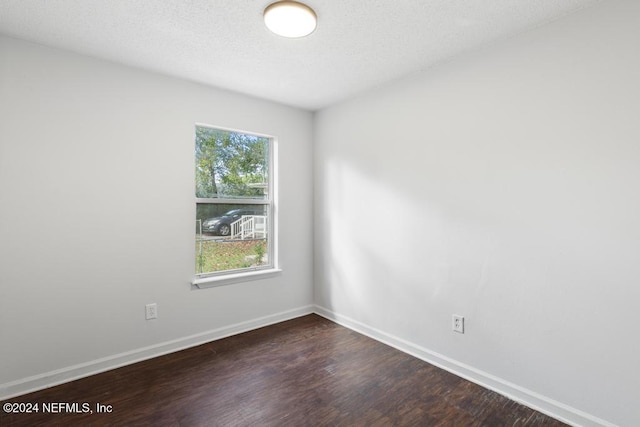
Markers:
(227, 277)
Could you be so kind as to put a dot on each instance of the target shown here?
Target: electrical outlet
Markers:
(458, 323)
(151, 311)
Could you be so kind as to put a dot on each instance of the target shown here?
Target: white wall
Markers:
(502, 186)
(97, 213)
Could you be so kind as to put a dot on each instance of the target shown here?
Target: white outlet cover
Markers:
(151, 311)
(458, 323)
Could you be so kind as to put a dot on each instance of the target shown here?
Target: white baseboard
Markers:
(71, 373)
(555, 409)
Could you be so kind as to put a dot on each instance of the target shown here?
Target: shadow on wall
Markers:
(394, 245)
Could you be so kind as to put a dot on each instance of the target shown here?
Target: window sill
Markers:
(229, 279)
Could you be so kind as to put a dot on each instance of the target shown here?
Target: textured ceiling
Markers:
(358, 43)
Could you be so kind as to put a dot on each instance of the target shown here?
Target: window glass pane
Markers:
(231, 164)
(231, 237)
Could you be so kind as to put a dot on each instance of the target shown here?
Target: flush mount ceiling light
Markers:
(290, 19)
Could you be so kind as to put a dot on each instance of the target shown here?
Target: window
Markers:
(234, 203)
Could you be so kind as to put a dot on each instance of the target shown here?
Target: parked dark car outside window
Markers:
(221, 225)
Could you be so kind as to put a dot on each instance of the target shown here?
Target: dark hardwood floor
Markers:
(304, 372)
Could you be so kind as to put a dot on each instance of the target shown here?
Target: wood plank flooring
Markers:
(304, 372)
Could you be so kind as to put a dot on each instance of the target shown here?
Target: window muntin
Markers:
(234, 202)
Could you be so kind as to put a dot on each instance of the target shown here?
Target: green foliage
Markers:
(260, 249)
(201, 262)
(219, 256)
(226, 162)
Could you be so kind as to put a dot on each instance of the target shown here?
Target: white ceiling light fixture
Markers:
(290, 19)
